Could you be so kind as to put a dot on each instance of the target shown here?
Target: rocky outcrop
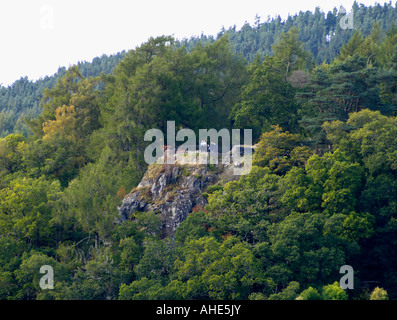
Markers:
(171, 191)
(174, 190)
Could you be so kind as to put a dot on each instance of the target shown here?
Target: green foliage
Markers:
(26, 210)
(10, 154)
(143, 289)
(327, 292)
(213, 188)
(22, 99)
(333, 292)
(244, 207)
(195, 226)
(351, 47)
(280, 151)
(157, 261)
(289, 50)
(322, 191)
(334, 92)
(289, 293)
(319, 31)
(91, 200)
(379, 294)
(28, 277)
(266, 100)
(299, 246)
(228, 270)
(97, 279)
(309, 294)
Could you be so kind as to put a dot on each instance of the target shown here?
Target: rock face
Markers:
(174, 190)
(171, 191)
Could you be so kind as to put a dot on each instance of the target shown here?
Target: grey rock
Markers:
(172, 193)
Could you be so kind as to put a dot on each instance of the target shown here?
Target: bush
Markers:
(379, 294)
(309, 294)
(212, 189)
(334, 292)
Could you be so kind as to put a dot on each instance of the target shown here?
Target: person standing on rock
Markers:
(203, 146)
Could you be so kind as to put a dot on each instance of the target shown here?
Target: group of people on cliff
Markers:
(204, 147)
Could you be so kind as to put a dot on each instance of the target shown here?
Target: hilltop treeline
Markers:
(322, 192)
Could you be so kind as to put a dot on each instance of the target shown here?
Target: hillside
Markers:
(319, 32)
(78, 193)
(22, 98)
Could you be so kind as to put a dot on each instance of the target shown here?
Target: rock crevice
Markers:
(171, 191)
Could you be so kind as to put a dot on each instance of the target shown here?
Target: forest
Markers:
(322, 193)
(21, 100)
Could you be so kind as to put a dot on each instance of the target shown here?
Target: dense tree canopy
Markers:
(322, 192)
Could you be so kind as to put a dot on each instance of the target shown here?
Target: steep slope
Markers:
(175, 190)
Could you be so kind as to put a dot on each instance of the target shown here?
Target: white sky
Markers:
(39, 36)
